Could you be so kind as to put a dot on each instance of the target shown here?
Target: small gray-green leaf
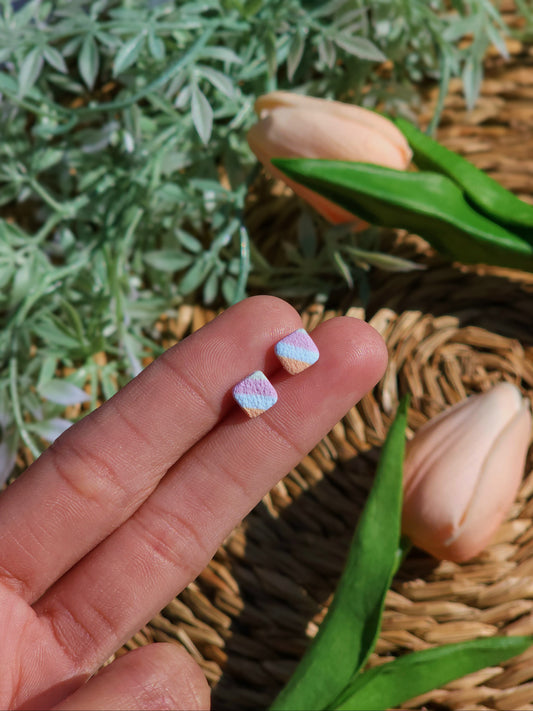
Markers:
(188, 241)
(229, 289)
(210, 290)
(219, 80)
(55, 59)
(296, 50)
(51, 429)
(307, 235)
(156, 46)
(128, 54)
(387, 262)
(343, 268)
(46, 159)
(63, 393)
(222, 53)
(89, 61)
(167, 260)
(29, 70)
(195, 276)
(360, 47)
(202, 114)
(472, 77)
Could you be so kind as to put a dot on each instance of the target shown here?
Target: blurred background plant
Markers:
(124, 169)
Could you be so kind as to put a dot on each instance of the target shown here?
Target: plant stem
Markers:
(15, 402)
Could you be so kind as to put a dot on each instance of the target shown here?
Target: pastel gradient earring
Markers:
(255, 394)
(297, 351)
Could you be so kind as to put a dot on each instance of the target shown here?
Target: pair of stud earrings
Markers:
(256, 394)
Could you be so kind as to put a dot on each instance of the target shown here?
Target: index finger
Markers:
(102, 469)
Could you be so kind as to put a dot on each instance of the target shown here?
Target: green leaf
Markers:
(307, 235)
(156, 46)
(360, 47)
(202, 114)
(189, 242)
(349, 631)
(195, 276)
(387, 262)
(296, 50)
(63, 392)
(343, 268)
(224, 54)
(50, 429)
(89, 61)
(229, 289)
(210, 290)
(219, 80)
(472, 77)
(428, 204)
(167, 260)
(56, 335)
(128, 54)
(55, 59)
(46, 159)
(29, 70)
(389, 685)
(483, 191)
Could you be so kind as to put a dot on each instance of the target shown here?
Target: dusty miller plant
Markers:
(124, 166)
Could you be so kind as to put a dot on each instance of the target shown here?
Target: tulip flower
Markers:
(296, 126)
(462, 471)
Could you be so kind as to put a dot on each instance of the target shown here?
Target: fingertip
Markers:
(353, 346)
(264, 305)
(179, 676)
(369, 347)
(158, 676)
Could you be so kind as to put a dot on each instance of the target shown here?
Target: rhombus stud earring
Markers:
(255, 394)
(297, 351)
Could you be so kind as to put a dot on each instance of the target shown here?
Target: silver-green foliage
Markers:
(118, 119)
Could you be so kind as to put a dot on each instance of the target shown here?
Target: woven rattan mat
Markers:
(451, 331)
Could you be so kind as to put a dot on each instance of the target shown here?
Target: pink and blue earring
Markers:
(256, 394)
(297, 351)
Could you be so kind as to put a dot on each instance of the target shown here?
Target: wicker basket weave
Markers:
(451, 331)
(249, 616)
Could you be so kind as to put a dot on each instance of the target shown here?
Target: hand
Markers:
(130, 504)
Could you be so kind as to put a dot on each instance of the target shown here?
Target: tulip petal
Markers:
(446, 462)
(333, 213)
(293, 133)
(356, 115)
(287, 130)
(496, 489)
(458, 439)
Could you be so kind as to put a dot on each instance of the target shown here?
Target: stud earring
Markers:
(297, 351)
(255, 394)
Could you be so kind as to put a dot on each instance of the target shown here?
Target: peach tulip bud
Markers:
(296, 126)
(462, 471)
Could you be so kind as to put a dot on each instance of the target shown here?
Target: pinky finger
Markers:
(159, 676)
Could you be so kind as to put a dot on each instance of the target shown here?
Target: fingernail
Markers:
(255, 394)
(297, 351)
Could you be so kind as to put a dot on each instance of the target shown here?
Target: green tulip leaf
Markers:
(428, 204)
(483, 191)
(350, 629)
(391, 684)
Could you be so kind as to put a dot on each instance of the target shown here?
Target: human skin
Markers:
(130, 504)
